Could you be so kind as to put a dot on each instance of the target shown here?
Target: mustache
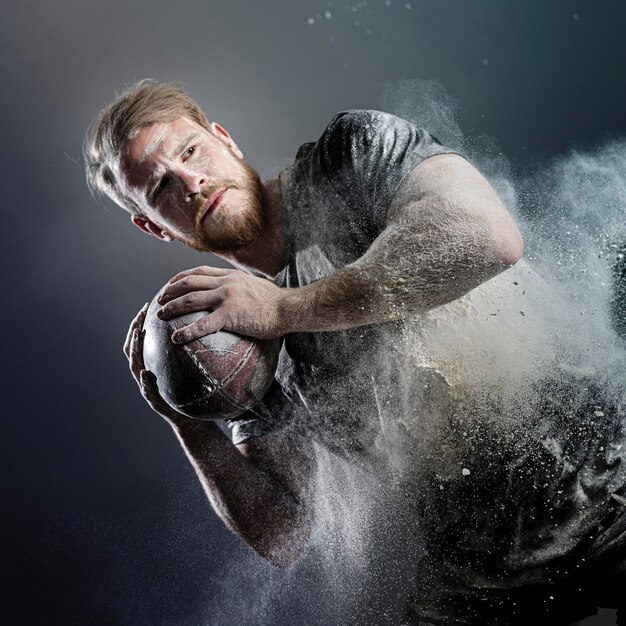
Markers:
(199, 202)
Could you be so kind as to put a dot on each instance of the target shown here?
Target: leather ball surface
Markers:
(218, 376)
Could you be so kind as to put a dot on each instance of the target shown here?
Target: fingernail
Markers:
(177, 337)
(159, 313)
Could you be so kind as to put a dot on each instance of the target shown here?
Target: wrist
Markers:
(336, 302)
(292, 310)
(189, 428)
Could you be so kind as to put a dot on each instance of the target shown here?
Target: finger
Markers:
(136, 352)
(136, 323)
(149, 387)
(147, 380)
(203, 270)
(206, 326)
(150, 392)
(187, 284)
(195, 301)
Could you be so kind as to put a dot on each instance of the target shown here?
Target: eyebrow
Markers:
(181, 144)
(154, 177)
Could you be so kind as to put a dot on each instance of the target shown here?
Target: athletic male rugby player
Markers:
(375, 239)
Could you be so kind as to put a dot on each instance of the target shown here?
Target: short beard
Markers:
(237, 228)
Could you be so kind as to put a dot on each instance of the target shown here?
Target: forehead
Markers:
(143, 154)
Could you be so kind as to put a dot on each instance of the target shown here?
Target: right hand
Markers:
(133, 349)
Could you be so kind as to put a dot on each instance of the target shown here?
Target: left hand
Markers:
(133, 349)
(239, 303)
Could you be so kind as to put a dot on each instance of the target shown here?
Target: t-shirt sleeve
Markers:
(273, 412)
(366, 155)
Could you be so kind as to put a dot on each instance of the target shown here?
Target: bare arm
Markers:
(447, 232)
(258, 489)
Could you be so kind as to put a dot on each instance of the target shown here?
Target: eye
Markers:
(189, 152)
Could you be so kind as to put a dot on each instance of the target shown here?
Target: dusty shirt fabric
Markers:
(537, 503)
(540, 517)
(336, 196)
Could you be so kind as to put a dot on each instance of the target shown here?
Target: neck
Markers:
(266, 253)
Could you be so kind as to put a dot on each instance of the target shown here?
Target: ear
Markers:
(147, 226)
(222, 134)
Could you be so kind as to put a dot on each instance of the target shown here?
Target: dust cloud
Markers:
(499, 425)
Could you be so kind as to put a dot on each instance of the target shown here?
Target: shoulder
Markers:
(365, 120)
(362, 128)
(367, 153)
(358, 136)
(358, 120)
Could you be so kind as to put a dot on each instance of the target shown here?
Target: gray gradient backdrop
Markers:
(103, 520)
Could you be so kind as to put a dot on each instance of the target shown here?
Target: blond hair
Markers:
(142, 104)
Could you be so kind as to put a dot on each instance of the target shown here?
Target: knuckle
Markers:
(184, 333)
(196, 330)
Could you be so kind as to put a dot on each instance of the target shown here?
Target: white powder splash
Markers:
(507, 395)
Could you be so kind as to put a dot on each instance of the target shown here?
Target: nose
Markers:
(191, 183)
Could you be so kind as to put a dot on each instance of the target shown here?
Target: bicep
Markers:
(446, 191)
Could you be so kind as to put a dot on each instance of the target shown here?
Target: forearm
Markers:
(409, 269)
(250, 501)
(447, 232)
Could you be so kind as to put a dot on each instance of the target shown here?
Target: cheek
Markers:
(174, 216)
(201, 162)
(210, 158)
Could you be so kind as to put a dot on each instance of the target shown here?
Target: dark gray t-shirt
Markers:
(335, 197)
(546, 499)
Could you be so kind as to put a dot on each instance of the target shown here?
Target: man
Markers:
(369, 244)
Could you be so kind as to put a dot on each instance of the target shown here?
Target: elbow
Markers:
(508, 246)
(286, 551)
(514, 251)
(281, 559)
(284, 546)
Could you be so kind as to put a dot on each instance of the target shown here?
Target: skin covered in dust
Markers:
(447, 233)
(152, 168)
(470, 329)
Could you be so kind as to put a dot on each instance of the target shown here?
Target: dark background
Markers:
(103, 520)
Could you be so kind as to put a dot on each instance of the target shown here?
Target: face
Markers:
(192, 185)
